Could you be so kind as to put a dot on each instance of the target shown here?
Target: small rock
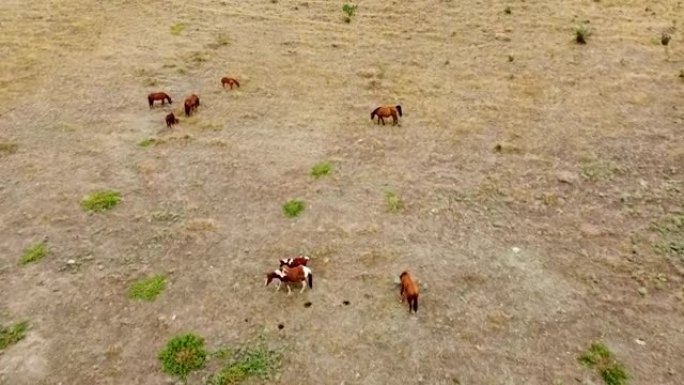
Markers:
(396, 280)
(502, 37)
(643, 291)
(567, 177)
(71, 262)
(515, 249)
(640, 341)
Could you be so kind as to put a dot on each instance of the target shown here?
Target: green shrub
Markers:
(321, 169)
(34, 253)
(600, 357)
(257, 361)
(147, 289)
(293, 208)
(101, 200)
(582, 33)
(182, 355)
(13, 334)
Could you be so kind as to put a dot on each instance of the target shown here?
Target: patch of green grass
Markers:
(147, 289)
(12, 334)
(177, 28)
(321, 169)
(293, 208)
(350, 10)
(101, 200)
(8, 148)
(34, 253)
(182, 355)
(582, 33)
(670, 230)
(601, 358)
(256, 361)
(147, 142)
(596, 169)
(394, 203)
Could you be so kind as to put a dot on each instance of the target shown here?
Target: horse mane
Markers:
(375, 111)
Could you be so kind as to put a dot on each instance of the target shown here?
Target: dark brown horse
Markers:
(191, 103)
(409, 291)
(171, 120)
(230, 82)
(158, 96)
(385, 112)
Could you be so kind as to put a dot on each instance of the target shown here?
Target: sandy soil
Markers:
(526, 255)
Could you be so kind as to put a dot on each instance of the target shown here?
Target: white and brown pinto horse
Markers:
(300, 260)
(286, 274)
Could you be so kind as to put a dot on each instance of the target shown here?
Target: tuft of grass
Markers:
(147, 289)
(321, 169)
(582, 33)
(34, 253)
(147, 142)
(182, 355)
(256, 361)
(293, 208)
(222, 40)
(670, 231)
(601, 358)
(177, 29)
(102, 200)
(350, 10)
(8, 148)
(394, 203)
(12, 334)
(596, 169)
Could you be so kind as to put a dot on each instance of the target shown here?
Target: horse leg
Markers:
(383, 121)
(303, 286)
(394, 118)
(278, 286)
(289, 291)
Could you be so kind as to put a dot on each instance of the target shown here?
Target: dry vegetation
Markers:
(534, 188)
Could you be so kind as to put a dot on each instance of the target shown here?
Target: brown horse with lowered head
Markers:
(191, 103)
(409, 291)
(171, 120)
(291, 274)
(230, 81)
(158, 96)
(385, 112)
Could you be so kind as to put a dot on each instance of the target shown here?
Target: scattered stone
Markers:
(643, 291)
(567, 177)
(640, 341)
(71, 262)
(515, 249)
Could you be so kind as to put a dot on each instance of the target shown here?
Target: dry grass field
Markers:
(534, 187)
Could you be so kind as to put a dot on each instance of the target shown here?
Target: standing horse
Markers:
(191, 103)
(294, 262)
(295, 274)
(171, 120)
(385, 112)
(158, 96)
(230, 82)
(409, 291)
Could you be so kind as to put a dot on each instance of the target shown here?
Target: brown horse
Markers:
(171, 120)
(295, 274)
(230, 82)
(158, 96)
(191, 103)
(409, 291)
(385, 112)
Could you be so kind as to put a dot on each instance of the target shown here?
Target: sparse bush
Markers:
(394, 203)
(182, 355)
(12, 334)
(8, 148)
(101, 200)
(600, 357)
(147, 142)
(582, 33)
(147, 289)
(34, 253)
(321, 169)
(258, 361)
(177, 28)
(350, 10)
(293, 208)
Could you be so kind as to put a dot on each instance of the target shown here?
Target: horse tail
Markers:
(150, 100)
(310, 278)
(168, 97)
(415, 304)
(236, 83)
(187, 109)
(399, 109)
(375, 111)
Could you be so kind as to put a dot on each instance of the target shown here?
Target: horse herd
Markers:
(295, 270)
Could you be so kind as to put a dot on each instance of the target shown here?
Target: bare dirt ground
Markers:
(529, 253)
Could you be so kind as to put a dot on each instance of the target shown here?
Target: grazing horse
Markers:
(385, 112)
(171, 120)
(409, 291)
(294, 262)
(158, 96)
(295, 274)
(191, 103)
(230, 82)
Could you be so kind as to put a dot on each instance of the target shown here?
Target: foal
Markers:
(191, 103)
(171, 120)
(409, 291)
(158, 96)
(385, 112)
(295, 274)
(230, 82)
(294, 262)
